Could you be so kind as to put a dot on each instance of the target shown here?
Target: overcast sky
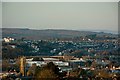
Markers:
(61, 15)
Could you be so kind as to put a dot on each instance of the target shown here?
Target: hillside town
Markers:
(83, 59)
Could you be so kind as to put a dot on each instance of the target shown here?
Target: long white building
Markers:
(29, 62)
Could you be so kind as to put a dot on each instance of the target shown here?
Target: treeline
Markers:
(14, 50)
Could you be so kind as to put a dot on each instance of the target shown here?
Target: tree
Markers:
(31, 71)
(49, 71)
(102, 74)
(5, 65)
(52, 67)
(46, 74)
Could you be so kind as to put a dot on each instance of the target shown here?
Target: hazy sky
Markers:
(61, 15)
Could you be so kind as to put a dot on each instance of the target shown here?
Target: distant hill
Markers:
(47, 33)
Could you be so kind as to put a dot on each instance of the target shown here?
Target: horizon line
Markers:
(105, 31)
